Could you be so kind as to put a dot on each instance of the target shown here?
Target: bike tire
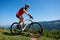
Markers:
(12, 28)
(40, 25)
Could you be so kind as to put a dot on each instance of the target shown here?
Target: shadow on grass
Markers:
(25, 34)
(22, 34)
(7, 33)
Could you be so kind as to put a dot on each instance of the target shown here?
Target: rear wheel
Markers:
(15, 28)
(35, 29)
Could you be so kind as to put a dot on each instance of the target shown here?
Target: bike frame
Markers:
(29, 20)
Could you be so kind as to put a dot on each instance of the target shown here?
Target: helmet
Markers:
(26, 5)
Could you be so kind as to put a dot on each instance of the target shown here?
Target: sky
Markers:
(41, 10)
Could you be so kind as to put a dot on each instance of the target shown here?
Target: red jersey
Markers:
(20, 12)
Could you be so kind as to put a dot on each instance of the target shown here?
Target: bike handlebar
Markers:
(31, 17)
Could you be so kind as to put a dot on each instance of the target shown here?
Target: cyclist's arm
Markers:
(27, 13)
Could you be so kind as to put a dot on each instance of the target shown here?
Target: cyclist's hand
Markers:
(30, 16)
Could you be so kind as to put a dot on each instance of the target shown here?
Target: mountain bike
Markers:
(28, 26)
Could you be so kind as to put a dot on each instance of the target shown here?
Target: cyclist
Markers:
(21, 12)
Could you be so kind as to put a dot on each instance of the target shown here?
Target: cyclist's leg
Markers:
(18, 26)
(21, 20)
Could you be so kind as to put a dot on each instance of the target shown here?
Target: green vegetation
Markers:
(55, 34)
(47, 35)
(6, 35)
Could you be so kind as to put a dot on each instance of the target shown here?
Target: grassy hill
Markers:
(47, 35)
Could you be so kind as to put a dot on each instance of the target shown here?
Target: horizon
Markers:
(41, 10)
(38, 21)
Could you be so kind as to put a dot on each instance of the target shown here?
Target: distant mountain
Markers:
(51, 25)
(5, 26)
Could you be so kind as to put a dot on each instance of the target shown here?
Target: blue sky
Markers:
(41, 10)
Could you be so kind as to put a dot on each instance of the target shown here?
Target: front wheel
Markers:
(15, 28)
(35, 29)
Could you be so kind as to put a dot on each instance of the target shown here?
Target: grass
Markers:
(6, 35)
